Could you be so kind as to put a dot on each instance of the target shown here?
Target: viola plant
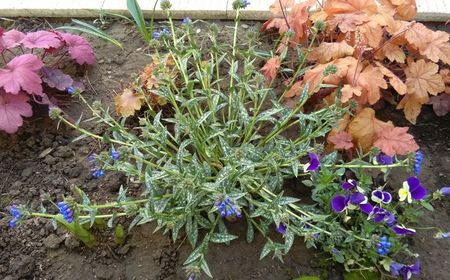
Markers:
(30, 71)
(214, 144)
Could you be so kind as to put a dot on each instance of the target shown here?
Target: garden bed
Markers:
(41, 159)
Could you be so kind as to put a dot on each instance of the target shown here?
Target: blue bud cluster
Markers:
(186, 21)
(65, 210)
(163, 32)
(384, 246)
(115, 155)
(98, 173)
(71, 90)
(418, 163)
(16, 214)
(227, 208)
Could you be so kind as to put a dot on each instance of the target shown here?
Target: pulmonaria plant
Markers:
(29, 70)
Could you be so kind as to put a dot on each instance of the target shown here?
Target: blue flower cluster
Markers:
(384, 246)
(98, 173)
(227, 208)
(163, 32)
(71, 90)
(245, 3)
(65, 210)
(115, 155)
(418, 163)
(186, 21)
(16, 214)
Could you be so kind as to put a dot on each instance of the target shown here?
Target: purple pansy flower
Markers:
(380, 196)
(445, 191)
(398, 269)
(379, 215)
(313, 163)
(384, 159)
(412, 189)
(281, 228)
(402, 230)
(339, 203)
(352, 199)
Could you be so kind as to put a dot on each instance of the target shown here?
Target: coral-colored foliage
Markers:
(23, 74)
(376, 51)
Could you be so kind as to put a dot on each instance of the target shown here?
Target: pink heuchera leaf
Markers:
(12, 108)
(441, 104)
(12, 38)
(20, 72)
(79, 48)
(56, 78)
(42, 39)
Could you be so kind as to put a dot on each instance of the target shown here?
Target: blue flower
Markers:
(186, 21)
(165, 32)
(245, 3)
(281, 228)
(15, 212)
(71, 90)
(115, 155)
(399, 269)
(227, 208)
(384, 159)
(98, 173)
(445, 191)
(156, 35)
(442, 235)
(384, 246)
(91, 159)
(65, 210)
(418, 163)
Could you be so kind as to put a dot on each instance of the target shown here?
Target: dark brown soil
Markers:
(41, 159)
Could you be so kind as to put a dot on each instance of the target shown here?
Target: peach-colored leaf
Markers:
(422, 78)
(348, 91)
(341, 140)
(347, 22)
(350, 6)
(271, 67)
(329, 51)
(396, 141)
(438, 47)
(394, 80)
(393, 53)
(412, 105)
(371, 80)
(372, 33)
(128, 102)
(295, 90)
(365, 127)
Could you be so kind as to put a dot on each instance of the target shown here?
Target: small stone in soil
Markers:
(63, 152)
(71, 242)
(50, 160)
(52, 241)
(27, 172)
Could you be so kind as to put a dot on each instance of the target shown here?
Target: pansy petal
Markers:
(387, 197)
(366, 208)
(415, 268)
(401, 230)
(418, 192)
(396, 268)
(377, 196)
(413, 182)
(339, 203)
(357, 198)
(313, 162)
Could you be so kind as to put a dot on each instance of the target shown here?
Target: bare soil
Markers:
(41, 160)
